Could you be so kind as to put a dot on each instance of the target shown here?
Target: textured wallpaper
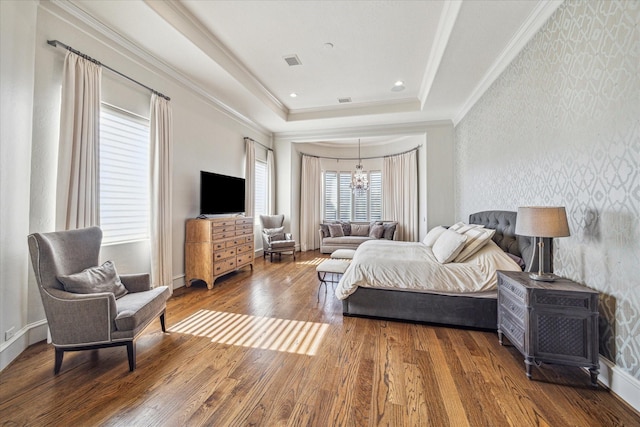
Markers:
(561, 126)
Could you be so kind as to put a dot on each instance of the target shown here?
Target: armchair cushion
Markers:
(274, 233)
(93, 280)
(136, 308)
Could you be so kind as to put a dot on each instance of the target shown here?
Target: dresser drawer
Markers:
(512, 286)
(221, 266)
(226, 253)
(223, 235)
(245, 258)
(510, 304)
(243, 249)
(511, 328)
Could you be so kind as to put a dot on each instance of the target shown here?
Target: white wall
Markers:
(205, 138)
(17, 33)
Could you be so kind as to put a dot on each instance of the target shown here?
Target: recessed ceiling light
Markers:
(398, 86)
(293, 95)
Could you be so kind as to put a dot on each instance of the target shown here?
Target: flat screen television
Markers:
(221, 194)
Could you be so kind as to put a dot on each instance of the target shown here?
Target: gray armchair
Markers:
(274, 239)
(90, 318)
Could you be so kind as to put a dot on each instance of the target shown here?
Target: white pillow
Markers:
(448, 246)
(476, 239)
(462, 227)
(433, 235)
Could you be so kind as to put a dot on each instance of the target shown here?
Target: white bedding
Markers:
(412, 266)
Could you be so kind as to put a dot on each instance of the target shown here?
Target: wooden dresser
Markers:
(551, 322)
(217, 246)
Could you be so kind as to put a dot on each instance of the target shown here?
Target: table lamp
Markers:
(540, 222)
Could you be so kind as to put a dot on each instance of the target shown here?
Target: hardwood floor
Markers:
(259, 349)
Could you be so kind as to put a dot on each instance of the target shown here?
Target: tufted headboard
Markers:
(504, 222)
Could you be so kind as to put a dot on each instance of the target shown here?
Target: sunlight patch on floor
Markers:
(314, 261)
(269, 333)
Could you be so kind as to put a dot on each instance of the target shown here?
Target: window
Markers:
(341, 204)
(261, 190)
(124, 176)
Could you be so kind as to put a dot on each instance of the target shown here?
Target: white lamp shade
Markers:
(542, 221)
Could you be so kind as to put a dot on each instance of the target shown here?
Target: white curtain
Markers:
(271, 184)
(310, 199)
(249, 177)
(78, 195)
(400, 193)
(161, 192)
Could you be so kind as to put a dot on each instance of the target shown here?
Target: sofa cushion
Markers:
(376, 231)
(136, 308)
(335, 230)
(345, 240)
(389, 229)
(361, 230)
(325, 230)
(94, 280)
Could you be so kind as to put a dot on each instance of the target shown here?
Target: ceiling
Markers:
(445, 53)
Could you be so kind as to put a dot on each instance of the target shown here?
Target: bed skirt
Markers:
(451, 310)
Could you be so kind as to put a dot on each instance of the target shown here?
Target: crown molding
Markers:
(359, 109)
(141, 57)
(183, 21)
(399, 129)
(531, 26)
(446, 23)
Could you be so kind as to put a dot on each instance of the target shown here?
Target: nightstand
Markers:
(551, 322)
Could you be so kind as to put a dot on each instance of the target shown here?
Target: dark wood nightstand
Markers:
(550, 322)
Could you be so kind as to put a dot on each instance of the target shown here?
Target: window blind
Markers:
(124, 176)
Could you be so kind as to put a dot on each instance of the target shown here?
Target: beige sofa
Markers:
(354, 233)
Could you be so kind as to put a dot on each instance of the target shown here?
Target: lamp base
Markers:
(543, 277)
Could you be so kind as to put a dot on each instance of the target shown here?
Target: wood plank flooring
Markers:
(260, 350)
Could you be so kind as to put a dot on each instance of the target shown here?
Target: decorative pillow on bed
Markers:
(433, 235)
(462, 227)
(448, 246)
(335, 230)
(361, 230)
(95, 280)
(476, 239)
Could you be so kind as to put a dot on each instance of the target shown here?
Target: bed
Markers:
(448, 304)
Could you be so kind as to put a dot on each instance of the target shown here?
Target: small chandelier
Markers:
(360, 182)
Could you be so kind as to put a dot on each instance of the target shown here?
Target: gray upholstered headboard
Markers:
(504, 222)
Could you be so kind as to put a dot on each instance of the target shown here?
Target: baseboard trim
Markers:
(625, 386)
(26, 336)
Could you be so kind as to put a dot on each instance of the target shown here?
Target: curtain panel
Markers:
(310, 203)
(249, 177)
(271, 184)
(78, 195)
(161, 192)
(400, 193)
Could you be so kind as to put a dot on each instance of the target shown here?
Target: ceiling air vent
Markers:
(344, 100)
(292, 60)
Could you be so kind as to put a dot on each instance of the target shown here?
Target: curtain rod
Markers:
(364, 158)
(259, 143)
(55, 43)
